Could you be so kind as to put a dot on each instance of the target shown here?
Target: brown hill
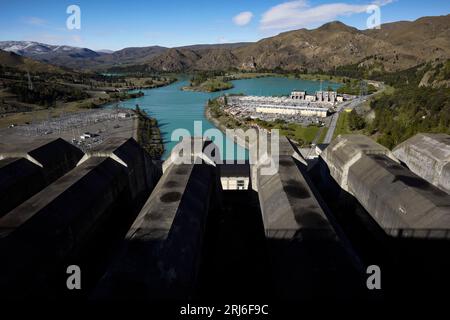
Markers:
(395, 46)
(12, 60)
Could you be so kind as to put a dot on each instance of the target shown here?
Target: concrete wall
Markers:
(428, 156)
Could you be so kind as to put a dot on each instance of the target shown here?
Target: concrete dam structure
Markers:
(398, 200)
(161, 252)
(26, 169)
(428, 156)
(394, 218)
(62, 222)
(302, 242)
(139, 229)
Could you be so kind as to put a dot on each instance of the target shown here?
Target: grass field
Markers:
(37, 115)
(299, 133)
(322, 135)
(318, 77)
(342, 125)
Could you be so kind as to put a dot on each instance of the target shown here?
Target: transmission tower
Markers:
(363, 88)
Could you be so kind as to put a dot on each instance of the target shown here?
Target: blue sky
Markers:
(118, 24)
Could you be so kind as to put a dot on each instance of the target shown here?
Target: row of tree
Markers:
(407, 111)
(46, 94)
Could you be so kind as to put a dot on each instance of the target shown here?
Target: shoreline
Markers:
(227, 81)
(238, 140)
(199, 89)
(148, 135)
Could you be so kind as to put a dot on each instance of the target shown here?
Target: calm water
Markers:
(174, 108)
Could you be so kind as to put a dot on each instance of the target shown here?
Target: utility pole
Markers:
(30, 84)
(362, 88)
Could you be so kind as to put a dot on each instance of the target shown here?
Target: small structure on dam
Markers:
(428, 156)
(235, 176)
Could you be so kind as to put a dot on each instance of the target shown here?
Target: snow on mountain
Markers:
(43, 51)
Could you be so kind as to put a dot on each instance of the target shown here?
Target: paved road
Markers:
(332, 127)
(348, 104)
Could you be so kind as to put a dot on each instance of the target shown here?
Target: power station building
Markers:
(306, 111)
(320, 96)
(304, 106)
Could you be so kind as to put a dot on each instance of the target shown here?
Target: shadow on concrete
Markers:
(235, 262)
(414, 262)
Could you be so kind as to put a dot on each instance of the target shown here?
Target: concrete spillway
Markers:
(162, 250)
(138, 233)
(428, 156)
(26, 169)
(61, 222)
(402, 203)
(304, 247)
(287, 202)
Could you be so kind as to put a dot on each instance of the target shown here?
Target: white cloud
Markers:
(243, 18)
(55, 39)
(77, 39)
(222, 39)
(35, 21)
(299, 14)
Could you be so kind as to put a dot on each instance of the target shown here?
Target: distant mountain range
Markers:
(395, 46)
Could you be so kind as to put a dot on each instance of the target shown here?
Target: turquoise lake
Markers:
(174, 108)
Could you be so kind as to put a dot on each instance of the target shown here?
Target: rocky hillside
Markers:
(437, 75)
(67, 56)
(395, 46)
(15, 61)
